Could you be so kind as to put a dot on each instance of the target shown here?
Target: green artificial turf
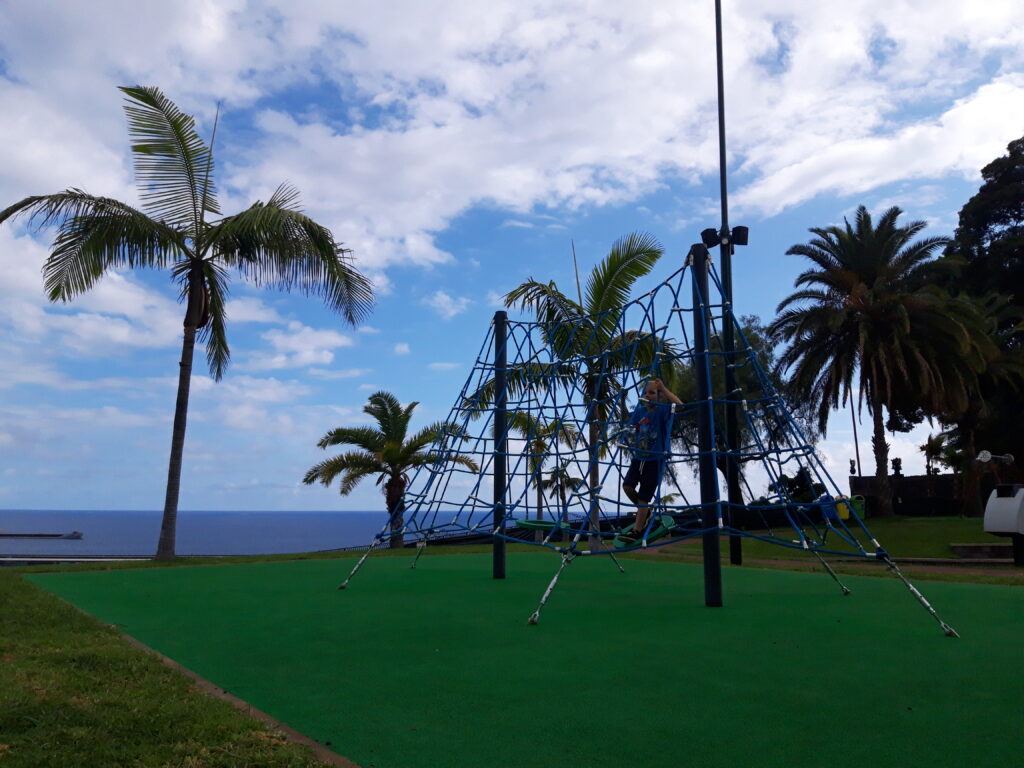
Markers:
(437, 667)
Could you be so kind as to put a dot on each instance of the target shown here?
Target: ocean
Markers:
(130, 533)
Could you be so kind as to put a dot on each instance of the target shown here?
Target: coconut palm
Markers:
(540, 437)
(585, 338)
(180, 228)
(866, 309)
(384, 451)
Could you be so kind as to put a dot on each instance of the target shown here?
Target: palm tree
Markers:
(561, 480)
(270, 243)
(932, 449)
(539, 436)
(584, 336)
(384, 451)
(869, 311)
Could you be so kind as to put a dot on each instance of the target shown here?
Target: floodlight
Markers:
(710, 237)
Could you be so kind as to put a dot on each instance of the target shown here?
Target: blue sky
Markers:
(458, 149)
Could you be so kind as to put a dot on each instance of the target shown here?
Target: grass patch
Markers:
(74, 693)
(436, 667)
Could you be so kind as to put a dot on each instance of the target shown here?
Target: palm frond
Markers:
(630, 258)
(173, 165)
(354, 461)
(519, 379)
(367, 438)
(427, 459)
(274, 244)
(95, 234)
(213, 331)
(427, 436)
(564, 326)
(385, 408)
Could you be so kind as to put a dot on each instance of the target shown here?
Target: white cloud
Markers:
(117, 314)
(250, 310)
(517, 224)
(962, 140)
(368, 329)
(517, 106)
(443, 366)
(348, 373)
(402, 348)
(447, 306)
(296, 346)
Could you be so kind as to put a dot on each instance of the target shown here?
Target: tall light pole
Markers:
(732, 470)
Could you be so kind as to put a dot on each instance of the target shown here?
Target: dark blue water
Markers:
(199, 533)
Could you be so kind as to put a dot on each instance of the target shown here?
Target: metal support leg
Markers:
(948, 630)
(359, 565)
(419, 554)
(831, 573)
(617, 563)
(566, 559)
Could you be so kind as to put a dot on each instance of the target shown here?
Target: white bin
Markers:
(1004, 512)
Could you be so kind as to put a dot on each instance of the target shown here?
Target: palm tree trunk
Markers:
(593, 433)
(538, 535)
(881, 449)
(394, 489)
(972, 499)
(169, 524)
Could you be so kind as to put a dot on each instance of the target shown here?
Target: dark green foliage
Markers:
(868, 309)
(753, 336)
(988, 249)
(990, 237)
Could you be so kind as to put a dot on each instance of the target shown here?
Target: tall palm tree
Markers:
(386, 452)
(270, 243)
(540, 436)
(867, 309)
(585, 338)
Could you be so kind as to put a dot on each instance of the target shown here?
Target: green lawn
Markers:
(905, 536)
(73, 693)
(436, 667)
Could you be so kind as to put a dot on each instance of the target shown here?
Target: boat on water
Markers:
(72, 535)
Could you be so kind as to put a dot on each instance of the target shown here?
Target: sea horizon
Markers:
(134, 532)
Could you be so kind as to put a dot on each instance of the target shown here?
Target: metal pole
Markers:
(500, 440)
(705, 436)
(732, 436)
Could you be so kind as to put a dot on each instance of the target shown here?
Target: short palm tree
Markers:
(540, 437)
(384, 451)
(585, 337)
(932, 448)
(866, 309)
(270, 243)
(561, 480)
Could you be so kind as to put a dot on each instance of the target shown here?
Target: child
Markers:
(649, 423)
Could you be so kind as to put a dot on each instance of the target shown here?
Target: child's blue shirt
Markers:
(649, 430)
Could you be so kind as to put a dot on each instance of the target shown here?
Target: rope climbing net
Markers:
(546, 419)
(570, 391)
